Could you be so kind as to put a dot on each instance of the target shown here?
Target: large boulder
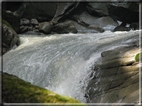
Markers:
(64, 9)
(42, 11)
(125, 12)
(97, 9)
(15, 90)
(9, 37)
(64, 27)
(45, 27)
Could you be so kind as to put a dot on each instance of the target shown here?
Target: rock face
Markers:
(15, 90)
(97, 9)
(9, 37)
(39, 10)
(130, 12)
(116, 76)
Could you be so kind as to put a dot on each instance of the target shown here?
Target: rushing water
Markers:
(61, 63)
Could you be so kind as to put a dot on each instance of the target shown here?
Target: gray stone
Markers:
(97, 9)
(115, 78)
(45, 27)
(24, 21)
(34, 22)
(65, 27)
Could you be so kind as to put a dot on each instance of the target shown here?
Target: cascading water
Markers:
(61, 63)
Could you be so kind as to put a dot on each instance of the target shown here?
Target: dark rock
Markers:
(12, 6)
(134, 26)
(23, 29)
(64, 10)
(24, 21)
(125, 12)
(13, 20)
(45, 27)
(122, 27)
(34, 22)
(97, 9)
(65, 27)
(39, 10)
(9, 38)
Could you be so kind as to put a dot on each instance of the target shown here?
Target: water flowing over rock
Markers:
(116, 76)
(63, 63)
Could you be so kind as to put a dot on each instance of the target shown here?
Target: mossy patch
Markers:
(138, 57)
(15, 90)
(7, 24)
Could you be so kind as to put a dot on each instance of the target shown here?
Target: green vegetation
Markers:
(138, 57)
(15, 90)
(7, 24)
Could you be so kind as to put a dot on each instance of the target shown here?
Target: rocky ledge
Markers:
(115, 78)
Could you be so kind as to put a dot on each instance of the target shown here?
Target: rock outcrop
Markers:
(125, 12)
(115, 78)
(42, 11)
(97, 9)
(84, 14)
(9, 37)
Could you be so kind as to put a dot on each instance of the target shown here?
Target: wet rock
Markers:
(130, 12)
(105, 21)
(94, 27)
(97, 9)
(134, 26)
(45, 27)
(9, 38)
(115, 78)
(23, 29)
(121, 27)
(24, 21)
(34, 22)
(65, 27)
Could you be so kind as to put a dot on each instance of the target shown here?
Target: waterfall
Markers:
(61, 63)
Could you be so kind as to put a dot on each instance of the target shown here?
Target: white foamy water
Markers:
(61, 63)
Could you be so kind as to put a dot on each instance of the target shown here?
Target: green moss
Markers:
(15, 90)
(138, 57)
(7, 24)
